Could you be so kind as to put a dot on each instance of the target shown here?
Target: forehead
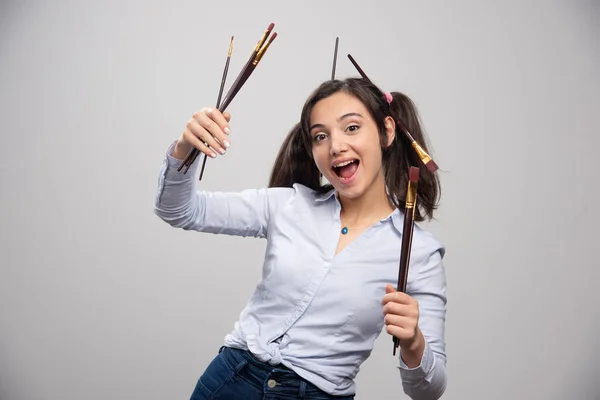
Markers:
(331, 108)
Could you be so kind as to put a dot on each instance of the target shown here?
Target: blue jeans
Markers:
(236, 374)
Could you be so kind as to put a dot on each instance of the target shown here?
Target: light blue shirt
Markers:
(313, 311)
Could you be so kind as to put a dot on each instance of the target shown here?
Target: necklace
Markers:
(345, 229)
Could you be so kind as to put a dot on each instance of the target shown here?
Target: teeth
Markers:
(344, 163)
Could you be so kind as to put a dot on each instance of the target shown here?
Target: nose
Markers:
(338, 144)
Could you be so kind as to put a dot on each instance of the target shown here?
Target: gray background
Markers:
(99, 299)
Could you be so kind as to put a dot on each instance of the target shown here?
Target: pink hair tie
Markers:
(388, 97)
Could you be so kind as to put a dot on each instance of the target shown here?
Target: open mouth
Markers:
(346, 170)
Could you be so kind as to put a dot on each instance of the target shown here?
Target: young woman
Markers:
(333, 250)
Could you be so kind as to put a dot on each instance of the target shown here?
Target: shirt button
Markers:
(272, 383)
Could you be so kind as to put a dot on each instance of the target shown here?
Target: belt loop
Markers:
(240, 365)
(302, 390)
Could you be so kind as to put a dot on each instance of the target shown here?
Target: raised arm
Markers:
(178, 203)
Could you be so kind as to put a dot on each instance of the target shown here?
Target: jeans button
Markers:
(271, 383)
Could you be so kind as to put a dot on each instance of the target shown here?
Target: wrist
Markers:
(181, 150)
(412, 352)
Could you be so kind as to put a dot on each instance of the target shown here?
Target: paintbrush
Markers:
(407, 233)
(423, 156)
(257, 54)
(335, 55)
(192, 156)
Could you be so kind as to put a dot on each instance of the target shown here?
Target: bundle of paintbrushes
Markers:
(257, 54)
(407, 233)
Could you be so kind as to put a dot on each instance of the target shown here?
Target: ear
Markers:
(390, 130)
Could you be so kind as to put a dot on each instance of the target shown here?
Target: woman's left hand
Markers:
(402, 321)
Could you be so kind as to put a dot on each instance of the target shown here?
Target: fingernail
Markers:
(213, 155)
(227, 131)
(226, 143)
(222, 151)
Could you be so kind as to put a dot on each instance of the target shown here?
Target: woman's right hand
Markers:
(207, 126)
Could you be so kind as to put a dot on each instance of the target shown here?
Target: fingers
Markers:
(402, 310)
(192, 138)
(401, 313)
(402, 329)
(397, 297)
(402, 323)
(208, 131)
(203, 140)
(214, 123)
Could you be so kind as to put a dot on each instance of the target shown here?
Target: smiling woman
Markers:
(347, 148)
(357, 109)
(305, 332)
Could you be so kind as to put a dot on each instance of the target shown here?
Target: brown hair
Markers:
(294, 162)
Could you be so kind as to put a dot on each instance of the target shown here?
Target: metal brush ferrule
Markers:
(411, 195)
(422, 153)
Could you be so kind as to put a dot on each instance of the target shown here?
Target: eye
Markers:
(319, 137)
(352, 128)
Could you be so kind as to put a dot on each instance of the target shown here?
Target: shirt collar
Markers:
(398, 220)
(325, 196)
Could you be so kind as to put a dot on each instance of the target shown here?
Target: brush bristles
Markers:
(431, 166)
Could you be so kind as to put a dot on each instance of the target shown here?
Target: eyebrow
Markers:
(352, 114)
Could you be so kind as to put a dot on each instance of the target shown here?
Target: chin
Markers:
(349, 193)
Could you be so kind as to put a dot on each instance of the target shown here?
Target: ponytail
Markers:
(400, 156)
(294, 163)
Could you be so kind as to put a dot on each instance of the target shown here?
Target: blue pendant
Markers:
(344, 230)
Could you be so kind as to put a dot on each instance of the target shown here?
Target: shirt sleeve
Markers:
(245, 213)
(428, 380)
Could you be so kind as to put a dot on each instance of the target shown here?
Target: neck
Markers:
(373, 205)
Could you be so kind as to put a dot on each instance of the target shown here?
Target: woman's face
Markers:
(346, 145)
